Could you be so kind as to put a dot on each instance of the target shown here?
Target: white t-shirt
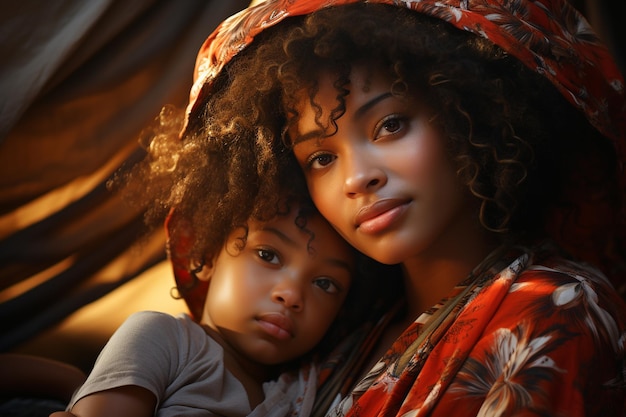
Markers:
(183, 367)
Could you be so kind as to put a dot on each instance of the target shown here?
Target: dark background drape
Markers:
(78, 82)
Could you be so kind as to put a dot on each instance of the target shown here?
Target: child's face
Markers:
(274, 299)
(383, 179)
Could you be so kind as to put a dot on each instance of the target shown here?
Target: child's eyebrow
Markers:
(337, 262)
(279, 234)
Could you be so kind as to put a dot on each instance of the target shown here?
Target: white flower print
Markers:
(507, 378)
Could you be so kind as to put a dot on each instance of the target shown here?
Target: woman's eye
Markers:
(389, 126)
(268, 256)
(320, 160)
(327, 285)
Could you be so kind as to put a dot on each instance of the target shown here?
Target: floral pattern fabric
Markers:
(534, 336)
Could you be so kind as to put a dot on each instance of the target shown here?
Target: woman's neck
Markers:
(434, 273)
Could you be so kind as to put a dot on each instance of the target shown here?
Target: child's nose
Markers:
(289, 294)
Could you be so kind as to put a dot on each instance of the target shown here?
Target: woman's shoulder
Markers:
(549, 325)
(545, 266)
(563, 277)
(554, 291)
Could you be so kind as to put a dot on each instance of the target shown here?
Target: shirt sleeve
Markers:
(143, 352)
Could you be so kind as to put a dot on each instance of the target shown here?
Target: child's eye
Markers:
(319, 160)
(327, 285)
(388, 126)
(268, 256)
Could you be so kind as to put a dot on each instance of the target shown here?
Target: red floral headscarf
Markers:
(548, 36)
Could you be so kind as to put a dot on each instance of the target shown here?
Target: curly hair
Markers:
(508, 130)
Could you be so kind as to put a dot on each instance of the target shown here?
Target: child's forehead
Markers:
(295, 220)
(301, 225)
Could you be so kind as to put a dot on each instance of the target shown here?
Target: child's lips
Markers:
(277, 325)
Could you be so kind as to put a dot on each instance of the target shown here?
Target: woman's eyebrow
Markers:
(314, 134)
(368, 105)
(317, 134)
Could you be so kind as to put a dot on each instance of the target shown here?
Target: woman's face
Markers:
(383, 180)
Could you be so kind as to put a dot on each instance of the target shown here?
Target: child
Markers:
(274, 289)
(478, 144)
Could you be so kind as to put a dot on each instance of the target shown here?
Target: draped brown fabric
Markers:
(78, 82)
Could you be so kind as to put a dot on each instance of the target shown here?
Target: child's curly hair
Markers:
(509, 131)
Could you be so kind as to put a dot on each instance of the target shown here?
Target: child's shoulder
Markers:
(150, 317)
(142, 322)
(180, 335)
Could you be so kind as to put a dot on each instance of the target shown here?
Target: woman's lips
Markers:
(380, 215)
(276, 325)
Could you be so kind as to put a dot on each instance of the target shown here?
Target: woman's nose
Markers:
(362, 174)
(288, 293)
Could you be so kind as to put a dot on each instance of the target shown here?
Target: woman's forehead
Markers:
(316, 105)
(514, 26)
